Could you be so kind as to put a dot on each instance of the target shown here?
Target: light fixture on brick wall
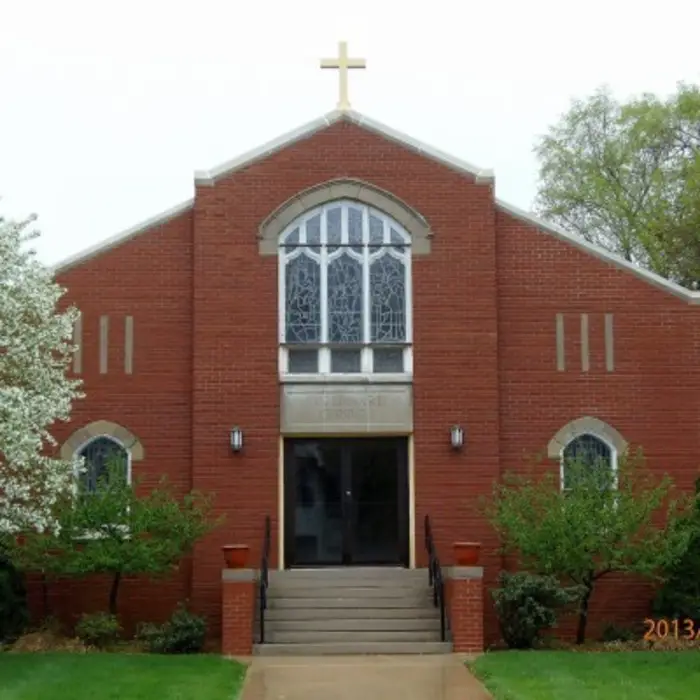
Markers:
(236, 439)
(457, 437)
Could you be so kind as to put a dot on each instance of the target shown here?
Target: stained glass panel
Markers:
(387, 280)
(397, 240)
(291, 240)
(587, 452)
(388, 360)
(313, 233)
(303, 300)
(355, 229)
(334, 228)
(345, 361)
(376, 230)
(99, 455)
(303, 361)
(345, 300)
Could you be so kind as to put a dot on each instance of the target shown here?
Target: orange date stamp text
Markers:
(674, 628)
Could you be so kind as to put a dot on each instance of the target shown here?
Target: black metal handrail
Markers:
(435, 577)
(264, 577)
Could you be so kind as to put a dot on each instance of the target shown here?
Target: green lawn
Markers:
(565, 675)
(62, 676)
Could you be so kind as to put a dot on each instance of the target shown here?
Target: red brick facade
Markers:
(205, 309)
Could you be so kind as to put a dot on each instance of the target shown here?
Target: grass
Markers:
(62, 676)
(554, 675)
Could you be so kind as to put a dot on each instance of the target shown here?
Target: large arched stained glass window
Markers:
(345, 292)
(98, 455)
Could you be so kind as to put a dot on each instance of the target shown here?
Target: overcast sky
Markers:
(107, 109)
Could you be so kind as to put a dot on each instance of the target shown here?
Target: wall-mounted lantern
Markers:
(456, 437)
(236, 439)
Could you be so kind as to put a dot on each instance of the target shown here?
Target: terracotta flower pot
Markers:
(236, 555)
(467, 553)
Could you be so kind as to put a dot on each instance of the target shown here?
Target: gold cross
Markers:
(343, 63)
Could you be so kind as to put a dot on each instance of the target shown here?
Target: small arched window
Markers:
(588, 451)
(345, 293)
(98, 455)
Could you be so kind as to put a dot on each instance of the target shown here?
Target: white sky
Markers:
(106, 109)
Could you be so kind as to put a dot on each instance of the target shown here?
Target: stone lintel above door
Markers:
(346, 409)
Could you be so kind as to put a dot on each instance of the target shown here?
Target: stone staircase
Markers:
(350, 611)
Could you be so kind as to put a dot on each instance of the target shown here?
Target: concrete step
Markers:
(408, 593)
(353, 648)
(354, 582)
(357, 576)
(421, 624)
(427, 612)
(357, 603)
(340, 571)
(318, 637)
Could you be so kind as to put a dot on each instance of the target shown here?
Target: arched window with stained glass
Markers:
(98, 455)
(345, 293)
(588, 452)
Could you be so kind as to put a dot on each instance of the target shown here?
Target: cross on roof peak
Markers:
(343, 64)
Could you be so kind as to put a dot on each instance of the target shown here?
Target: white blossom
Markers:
(35, 391)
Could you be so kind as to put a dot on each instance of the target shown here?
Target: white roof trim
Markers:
(601, 253)
(122, 237)
(211, 177)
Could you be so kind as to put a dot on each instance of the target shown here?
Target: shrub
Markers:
(183, 633)
(616, 633)
(98, 629)
(526, 605)
(679, 597)
(13, 602)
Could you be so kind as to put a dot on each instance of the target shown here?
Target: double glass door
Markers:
(346, 502)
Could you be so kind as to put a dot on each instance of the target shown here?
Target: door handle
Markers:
(348, 493)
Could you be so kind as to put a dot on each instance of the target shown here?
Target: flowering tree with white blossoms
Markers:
(35, 349)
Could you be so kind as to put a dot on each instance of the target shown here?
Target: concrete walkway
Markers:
(438, 677)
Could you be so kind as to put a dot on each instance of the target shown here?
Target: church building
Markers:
(345, 331)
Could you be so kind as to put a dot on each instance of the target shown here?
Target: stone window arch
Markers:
(590, 441)
(353, 189)
(118, 434)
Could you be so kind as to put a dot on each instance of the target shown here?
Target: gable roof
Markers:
(211, 177)
(205, 178)
(122, 237)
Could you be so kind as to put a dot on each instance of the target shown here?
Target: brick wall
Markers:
(205, 311)
(650, 397)
(149, 278)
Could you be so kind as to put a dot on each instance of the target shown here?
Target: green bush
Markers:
(13, 602)
(98, 629)
(526, 605)
(616, 633)
(183, 633)
(679, 597)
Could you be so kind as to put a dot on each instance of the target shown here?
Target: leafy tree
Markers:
(34, 390)
(603, 522)
(114, 531)
(626, 176)
(679, 597)
(38, 553)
